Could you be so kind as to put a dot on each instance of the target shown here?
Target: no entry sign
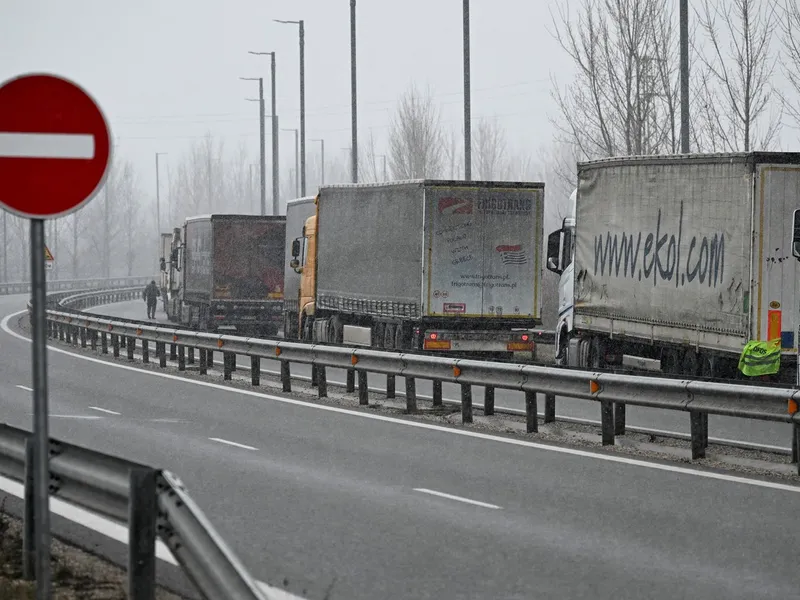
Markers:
(54, 146)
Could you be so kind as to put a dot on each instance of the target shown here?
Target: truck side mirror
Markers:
(796, 234)
(296, 248)
(294, 263)
(554, 252)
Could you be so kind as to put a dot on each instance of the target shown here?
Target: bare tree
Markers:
(489, 151)
(624, 99)
(453, 144)
(790, 30)
(737, 82)
(416, 144)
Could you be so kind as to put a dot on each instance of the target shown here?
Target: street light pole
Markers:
(353, 97)
(263, 141)
(276, 188)
(322, 160)
(301, 25)
(158, 195)
(684, 43)
(296, 165)
(467, 99)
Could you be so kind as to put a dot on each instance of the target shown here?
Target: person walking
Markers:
(150, 296)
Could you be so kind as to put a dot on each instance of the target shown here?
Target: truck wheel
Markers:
(378, 331)
(336, 331)
(400, 338)
(562, 358)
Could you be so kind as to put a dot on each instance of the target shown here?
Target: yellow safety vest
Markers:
(760, 358)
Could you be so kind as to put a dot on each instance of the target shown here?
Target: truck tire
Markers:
(389, 335)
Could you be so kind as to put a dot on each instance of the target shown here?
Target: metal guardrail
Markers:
(612, 391)
(152, 502)
(57, 285)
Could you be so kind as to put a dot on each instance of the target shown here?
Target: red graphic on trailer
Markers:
(512, 254)
(454, 307)
(455, 206)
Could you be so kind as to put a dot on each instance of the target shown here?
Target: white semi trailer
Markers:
(674, 263)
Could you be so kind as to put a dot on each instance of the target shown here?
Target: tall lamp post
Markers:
(301, 25)
(276, 188)
(353, 98)
(467, 99)
(158, 195)
(322, 159)
(296, 168)
(263, 141)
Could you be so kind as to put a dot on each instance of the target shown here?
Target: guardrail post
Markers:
(607, 422)
(115, 344)
(466, 403)
(437, 392)
(83, 337)
(227, 370)
(255, 370)
(190, 359)
(531, 412)
(93, 339)
(68, 334)
(704, 426)
(411, 393)
(313, 375)
(488, 401)
(161, 351)
(142, 514)
(61, 332)
(210, 359)
(28, 531)
(104, 343)
(350, 381)
(145, 351)
(173, 352)
(390, 386)
(123, 341)
(549, 408)
(696, 427)
(619, 418)
(130, 346)
(203, 361)
(286, 376)
(181, 358)
(322, 381)
(363, 390)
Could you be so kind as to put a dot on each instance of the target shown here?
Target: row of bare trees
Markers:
(102, 239)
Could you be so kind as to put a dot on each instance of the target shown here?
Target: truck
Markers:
(672, 264)
(297, 212)
(432, 265)
(227, 271)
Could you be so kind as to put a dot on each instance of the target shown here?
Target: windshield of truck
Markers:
(248, 260)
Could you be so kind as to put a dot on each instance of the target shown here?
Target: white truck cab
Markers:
(560, 260)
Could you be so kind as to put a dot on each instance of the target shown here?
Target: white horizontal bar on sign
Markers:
(46, 145)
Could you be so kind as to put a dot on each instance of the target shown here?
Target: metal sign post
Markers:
(55, 152)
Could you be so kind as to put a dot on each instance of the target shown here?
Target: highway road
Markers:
(728, 428)
(390, 508)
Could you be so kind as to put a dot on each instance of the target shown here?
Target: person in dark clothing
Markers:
(150, 296)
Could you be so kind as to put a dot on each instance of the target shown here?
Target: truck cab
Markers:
(560, 260)
(304, 255)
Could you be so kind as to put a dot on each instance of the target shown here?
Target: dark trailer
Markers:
(233, 272)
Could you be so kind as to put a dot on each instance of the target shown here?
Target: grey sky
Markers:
(166, 71)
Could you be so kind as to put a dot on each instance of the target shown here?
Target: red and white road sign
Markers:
(55, 146)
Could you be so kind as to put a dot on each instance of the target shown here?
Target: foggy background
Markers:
(552, 83)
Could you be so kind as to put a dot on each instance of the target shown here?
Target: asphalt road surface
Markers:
(386, 508)
(728, 428)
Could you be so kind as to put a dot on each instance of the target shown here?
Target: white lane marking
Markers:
(229, 443)
(85, 417)
(46, 145)
(417, 425)
(25, 387)
(105, 410)
(115, 531)
(168, 421)
(457, 498)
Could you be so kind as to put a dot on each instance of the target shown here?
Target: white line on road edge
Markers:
(25, 387)
(85, 417)
(118, 532)
(105, 410)
(416, 424)
(457, 498)
(46, 145)
(238, 445)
